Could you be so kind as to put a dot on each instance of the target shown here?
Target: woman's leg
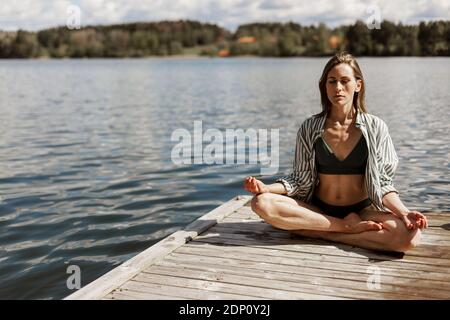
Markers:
(393, 237)
(287, 213)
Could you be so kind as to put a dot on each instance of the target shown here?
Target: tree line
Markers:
(260, 39)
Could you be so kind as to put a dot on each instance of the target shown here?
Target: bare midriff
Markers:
(341, 189)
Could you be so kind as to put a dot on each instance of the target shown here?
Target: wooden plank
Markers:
(246, 212)
(260, 284)
(430, 250)
(438, 219)
(428, 247)
(312, 276)
(183, 292)
(216, 287)
(262, 255)
(125, 294)
(316, 246)
(436, 231)
(245, 216)
(346, 288)
(429, 234)
(319, 254)
(256, 237)
(441, 238)
(113, 279)
(437, 237)
(436, 214)
(291, 246)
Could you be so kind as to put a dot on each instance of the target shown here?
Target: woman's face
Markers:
(341, 85)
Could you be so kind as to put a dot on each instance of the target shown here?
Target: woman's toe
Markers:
(371, 225)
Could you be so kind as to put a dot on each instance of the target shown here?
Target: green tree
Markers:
(6, 44)
(26, 45)
(117, 43)
(434, 38)
(359, 39)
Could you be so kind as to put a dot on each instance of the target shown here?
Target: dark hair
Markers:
(358, 98)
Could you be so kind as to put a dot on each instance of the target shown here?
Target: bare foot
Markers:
(354, 224)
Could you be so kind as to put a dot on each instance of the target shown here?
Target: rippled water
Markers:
(86, 176)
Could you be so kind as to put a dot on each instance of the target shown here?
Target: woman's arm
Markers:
(300, 180)
(277, 188)
(392, 201)
(412, 219)
(388, 163)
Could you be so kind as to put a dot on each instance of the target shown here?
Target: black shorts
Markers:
(340, 211)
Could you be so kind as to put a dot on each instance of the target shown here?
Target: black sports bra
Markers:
(327, 163)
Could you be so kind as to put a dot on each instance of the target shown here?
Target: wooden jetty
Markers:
(230, 253)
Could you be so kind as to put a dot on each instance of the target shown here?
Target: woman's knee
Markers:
(401, 239)
(261, 203)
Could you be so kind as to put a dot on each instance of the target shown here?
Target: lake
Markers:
(86, 174)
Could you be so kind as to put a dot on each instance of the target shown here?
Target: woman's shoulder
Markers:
(376, 125)
(312, 122)
(374, 121)
(307, 127)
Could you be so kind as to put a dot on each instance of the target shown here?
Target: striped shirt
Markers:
(381, 163)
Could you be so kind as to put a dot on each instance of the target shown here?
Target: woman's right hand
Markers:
(255, 186)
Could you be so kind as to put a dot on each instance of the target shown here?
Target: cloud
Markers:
(38, 14)
(276, 5)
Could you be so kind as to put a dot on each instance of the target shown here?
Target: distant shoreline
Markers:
(200, 57)
(186, 39)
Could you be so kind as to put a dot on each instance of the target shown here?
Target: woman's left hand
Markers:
(414, 220)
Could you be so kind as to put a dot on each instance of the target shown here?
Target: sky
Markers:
(40, 14)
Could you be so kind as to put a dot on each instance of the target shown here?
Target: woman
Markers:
(341, 186)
